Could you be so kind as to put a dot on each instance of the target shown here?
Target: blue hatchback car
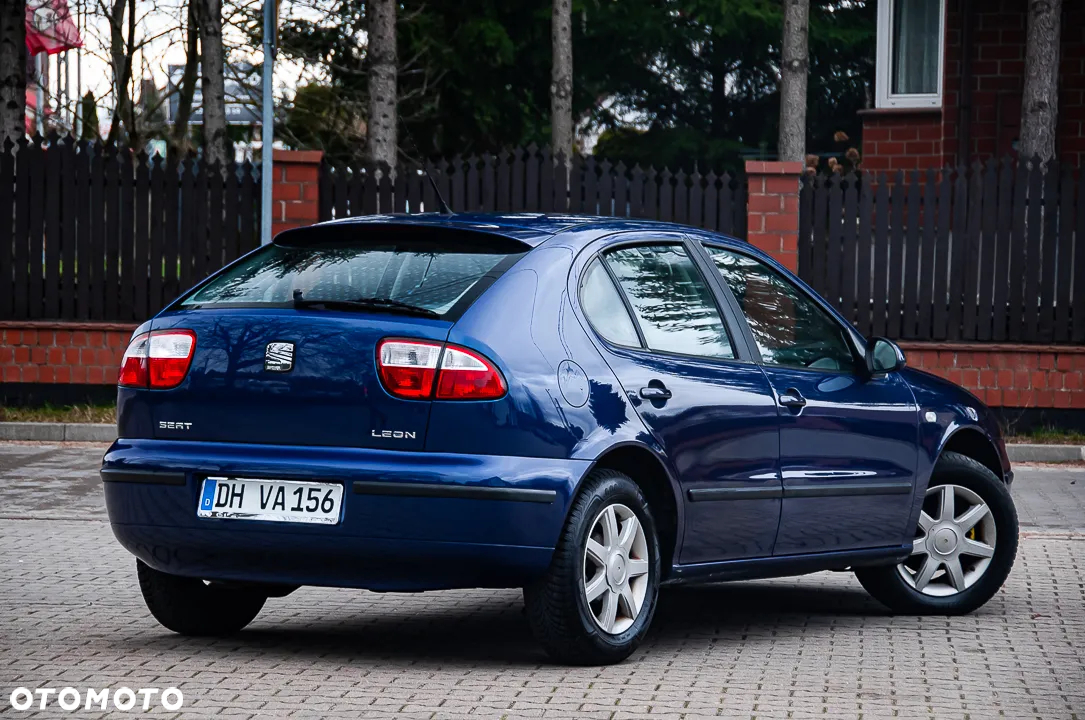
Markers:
(587, 408)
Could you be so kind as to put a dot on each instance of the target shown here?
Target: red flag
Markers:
(49, 27)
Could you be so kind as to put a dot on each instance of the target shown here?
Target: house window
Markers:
(910, 51)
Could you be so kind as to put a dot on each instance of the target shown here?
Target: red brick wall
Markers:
(772, 209)
(295, 194)
(1018, 376)
(59, 352)
(910, 139)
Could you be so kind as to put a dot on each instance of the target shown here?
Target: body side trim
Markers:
(440, 490)
(153, 477)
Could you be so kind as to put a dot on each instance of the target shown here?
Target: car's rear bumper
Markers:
(410, 520)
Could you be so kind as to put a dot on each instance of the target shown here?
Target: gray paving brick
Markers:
(811, 647)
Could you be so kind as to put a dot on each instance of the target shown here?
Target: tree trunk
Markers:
(1040, 101)
(120, 55)
(794, 67)
(216, 143)
(380, 144)
(12, 70)
(561, 78)
(720, 67)
(187, 88)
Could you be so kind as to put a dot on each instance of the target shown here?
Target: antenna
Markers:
(442, 206)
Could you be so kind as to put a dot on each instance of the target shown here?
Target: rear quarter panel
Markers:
(563, 399)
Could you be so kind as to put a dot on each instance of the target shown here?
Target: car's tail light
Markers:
(465, 375)
(420, 370)
(134, 372)
(171, 354)
(407, 367)
(158, 360)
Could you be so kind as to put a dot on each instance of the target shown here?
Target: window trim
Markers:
(733, 325)
(883, 97)
(846, 329)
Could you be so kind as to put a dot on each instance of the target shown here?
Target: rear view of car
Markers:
(275, 430)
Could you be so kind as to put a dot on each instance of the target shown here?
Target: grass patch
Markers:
(63, 414)
(1048, 436)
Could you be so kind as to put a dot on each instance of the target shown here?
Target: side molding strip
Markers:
(902, 487)
(733, 493)
(151, 477)
(439, 490)
(805, 491)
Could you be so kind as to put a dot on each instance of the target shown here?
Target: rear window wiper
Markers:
(372, 303)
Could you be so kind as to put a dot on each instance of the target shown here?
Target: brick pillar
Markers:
(772, 210)
(295, 193)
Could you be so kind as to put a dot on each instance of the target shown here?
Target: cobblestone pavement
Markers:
(71, 615)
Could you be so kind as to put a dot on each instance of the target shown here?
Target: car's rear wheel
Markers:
(597, 599)
(190, 606)
(964, 545)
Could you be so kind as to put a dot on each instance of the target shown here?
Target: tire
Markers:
(189, 606)
(896, 586)
(563, 620)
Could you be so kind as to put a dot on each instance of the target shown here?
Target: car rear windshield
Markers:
(430, 274)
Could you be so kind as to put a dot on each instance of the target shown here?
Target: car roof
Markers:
(530, 228)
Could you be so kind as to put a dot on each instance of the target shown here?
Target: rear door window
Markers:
(431, 275)
(671, 300)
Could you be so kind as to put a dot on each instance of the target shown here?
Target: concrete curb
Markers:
(58, 432)
(1024, 453)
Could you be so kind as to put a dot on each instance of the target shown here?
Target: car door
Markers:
(694, 385)
(848, 442)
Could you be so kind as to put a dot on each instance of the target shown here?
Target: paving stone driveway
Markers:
(71, 614)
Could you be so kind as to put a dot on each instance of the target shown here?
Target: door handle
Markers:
(655, 392)
(792, 398)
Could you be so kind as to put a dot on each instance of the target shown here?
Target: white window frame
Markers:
(883, 65)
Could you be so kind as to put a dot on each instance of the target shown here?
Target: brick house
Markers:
(949, 82)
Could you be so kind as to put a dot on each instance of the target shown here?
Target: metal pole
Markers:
(268, 124)
(79, 72)
(39, 67)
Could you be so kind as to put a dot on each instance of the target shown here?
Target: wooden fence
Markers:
(992, 253)
(532, 180)
(105, 234)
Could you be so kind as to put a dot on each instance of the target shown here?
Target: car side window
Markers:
(604, 308)
(671, 300)
(789, 327)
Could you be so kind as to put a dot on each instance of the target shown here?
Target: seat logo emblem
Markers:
(279, 357)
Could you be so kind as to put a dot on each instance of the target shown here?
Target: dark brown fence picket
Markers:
(533, 180)
(988, 253)
(95, 232)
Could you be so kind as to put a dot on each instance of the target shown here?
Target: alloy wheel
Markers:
(954, 542)
(615, 574)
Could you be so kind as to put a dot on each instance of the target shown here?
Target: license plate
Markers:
(275, 500)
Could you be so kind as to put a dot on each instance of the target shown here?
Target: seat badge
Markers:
(279, 357)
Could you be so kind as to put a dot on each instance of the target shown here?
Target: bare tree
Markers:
(561, 77)
(794, 67)
(215, 139)
(121, 51)
(1040, 101)
(186, 90)
(383, 90)
(12, 70)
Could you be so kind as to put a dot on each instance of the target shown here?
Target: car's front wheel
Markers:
(598, 597)
(964, 545)
(190, 606)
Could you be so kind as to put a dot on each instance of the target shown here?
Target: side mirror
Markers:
(883, 356)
